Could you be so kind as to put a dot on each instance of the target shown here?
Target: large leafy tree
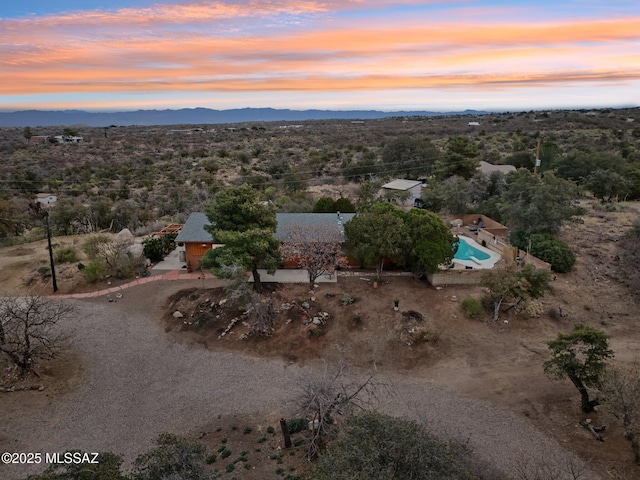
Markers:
(409, 157)
(245, 226)
(376, 235)
(535, 204)
(430, 241)
(581, 357)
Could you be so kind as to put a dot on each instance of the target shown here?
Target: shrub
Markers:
(211, 458)
(225, 453)
(247, 430)
(94, 271)
(324, 205)
(346, 299)
(546, 247)
(298, 424)
(65, 255)
(472, 307)
(44, 272)
(92, 245)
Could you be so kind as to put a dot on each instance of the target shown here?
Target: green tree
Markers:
(430, 242)
(509, 287)
(460, 158)
(376, 235)
(325, 205)
(27, 133)
(606, 184)
(174, 458)
(409, 157)
(535, 204)
(374, 446)
(344, 205)
(546, 247)
(245, 226)
(581, 357)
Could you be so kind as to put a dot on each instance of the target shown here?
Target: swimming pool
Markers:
(473, 255)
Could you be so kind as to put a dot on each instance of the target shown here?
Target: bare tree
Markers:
(549, 469)
(29, 330)
(621, 386)
(315, 248)
(334, 391)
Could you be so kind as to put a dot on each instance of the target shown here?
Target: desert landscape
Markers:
(133, 369)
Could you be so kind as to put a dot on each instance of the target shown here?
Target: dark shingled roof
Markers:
(329, 220)
(193, 230)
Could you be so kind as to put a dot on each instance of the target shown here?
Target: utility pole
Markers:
(53, 268)
(535, 169)
(44, 214)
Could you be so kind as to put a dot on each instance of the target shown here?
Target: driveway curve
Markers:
(141, 382)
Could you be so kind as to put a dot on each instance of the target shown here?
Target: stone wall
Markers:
(455, 277)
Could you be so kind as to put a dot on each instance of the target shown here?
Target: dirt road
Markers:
(139, 381)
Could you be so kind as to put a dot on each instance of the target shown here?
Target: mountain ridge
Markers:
(191, 116)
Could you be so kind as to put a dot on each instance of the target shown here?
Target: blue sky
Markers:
(329, 54)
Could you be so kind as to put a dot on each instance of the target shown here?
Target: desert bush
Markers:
(546, 247)
(296, 425)
(94, 271)
(472, 307)
(65, 255)
(92, 245)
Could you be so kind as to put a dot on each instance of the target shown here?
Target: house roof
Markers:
(401, 184)
(331, 222)
(193, 230)
(488, 168)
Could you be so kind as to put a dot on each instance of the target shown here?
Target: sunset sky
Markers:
(331, 54)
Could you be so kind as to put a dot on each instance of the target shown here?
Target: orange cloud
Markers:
(52, 60)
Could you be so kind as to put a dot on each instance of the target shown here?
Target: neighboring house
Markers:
(39, 139)
(486, 167)
(473, 124)
(412, 187)
(67, 139)
(194, 240)
(46, 198)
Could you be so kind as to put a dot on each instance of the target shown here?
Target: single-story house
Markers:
(194, 240)
(412, 187)
(486, 167)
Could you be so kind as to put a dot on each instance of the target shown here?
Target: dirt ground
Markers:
(428, 337)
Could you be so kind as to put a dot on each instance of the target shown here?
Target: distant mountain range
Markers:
(194, 116)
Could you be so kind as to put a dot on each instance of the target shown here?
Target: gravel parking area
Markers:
(141, 381)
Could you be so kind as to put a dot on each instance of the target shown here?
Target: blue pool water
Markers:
(466, 250)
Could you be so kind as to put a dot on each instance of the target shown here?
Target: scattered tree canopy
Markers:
(535, 204)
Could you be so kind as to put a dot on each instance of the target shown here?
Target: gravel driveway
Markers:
(141, 382)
